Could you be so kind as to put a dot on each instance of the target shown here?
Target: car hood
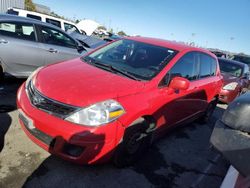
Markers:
(228, 78)
(77, 83)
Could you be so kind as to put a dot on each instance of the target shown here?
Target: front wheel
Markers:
(135, 142)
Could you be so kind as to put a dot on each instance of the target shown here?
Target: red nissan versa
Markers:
(113, 102)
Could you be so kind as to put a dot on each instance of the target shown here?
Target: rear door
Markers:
(57, 46)
(208, 80)
(19, 49)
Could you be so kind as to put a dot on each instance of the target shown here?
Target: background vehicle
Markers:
(26, 44)
(121, 97)
(231, 137)
(87, 27)
(61, 23)
(235, 77)
(90, 42)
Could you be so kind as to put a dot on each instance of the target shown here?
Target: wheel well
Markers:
(150, 122)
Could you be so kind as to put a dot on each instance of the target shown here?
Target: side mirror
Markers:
(179, 83)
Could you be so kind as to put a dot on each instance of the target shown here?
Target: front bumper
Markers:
(80, 144)
(227, 96)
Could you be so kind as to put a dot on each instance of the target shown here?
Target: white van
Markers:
(63, 24)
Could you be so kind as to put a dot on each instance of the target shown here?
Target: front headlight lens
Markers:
(97, 114)
(231, 86)
(31, 76)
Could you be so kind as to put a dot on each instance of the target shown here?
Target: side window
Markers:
(70, 27)
(34, 17)
(55, 37)
(207, 66)
(185, 67)
(18, 30)
(214, 67)
(53, 22)
(13, 12)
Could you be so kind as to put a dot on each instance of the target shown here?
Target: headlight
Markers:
(230, 86)
(31, 76)
(97, 114)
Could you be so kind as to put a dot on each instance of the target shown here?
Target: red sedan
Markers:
(115, 101)
(235, 78)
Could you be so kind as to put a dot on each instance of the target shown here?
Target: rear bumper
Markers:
(79, 144)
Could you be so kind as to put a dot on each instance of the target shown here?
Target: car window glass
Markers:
(213, 67)
(230, 68)
(186, 67)
(18, 30)
(70, 27)
(207, 66)
(139, 59)
(13, 12)
(34, 17)
(53, 22)
(55, 37)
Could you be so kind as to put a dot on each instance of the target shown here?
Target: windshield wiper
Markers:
(111, 68)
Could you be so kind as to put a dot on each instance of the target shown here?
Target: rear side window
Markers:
(18, 30)
(55, 37)
(207, 66)
(34, 17)
(186, 67)
(53, 22)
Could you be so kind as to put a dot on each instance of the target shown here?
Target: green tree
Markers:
(121, 33)
(29, 5)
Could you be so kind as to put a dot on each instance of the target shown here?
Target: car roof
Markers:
(168, 44)
(8, 17)
(231, 61)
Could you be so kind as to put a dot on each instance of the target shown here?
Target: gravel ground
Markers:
(183, 158)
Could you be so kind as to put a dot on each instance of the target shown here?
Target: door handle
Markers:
(52, 50)
(3, 41)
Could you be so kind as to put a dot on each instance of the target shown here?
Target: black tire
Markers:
(135, 142)
(209, 111)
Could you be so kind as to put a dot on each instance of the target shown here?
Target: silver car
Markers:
(26, 44)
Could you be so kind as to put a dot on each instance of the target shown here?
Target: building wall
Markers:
(5, 4)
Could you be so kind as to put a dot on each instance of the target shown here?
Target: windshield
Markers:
(243, 59)
(143, 61)
(230, 68)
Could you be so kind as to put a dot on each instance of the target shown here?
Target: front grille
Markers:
(48, 105)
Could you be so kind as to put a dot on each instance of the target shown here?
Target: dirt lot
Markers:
(183, 158)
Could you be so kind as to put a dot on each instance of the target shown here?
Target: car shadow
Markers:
(166, 164)
(5, 122)
(8, 90)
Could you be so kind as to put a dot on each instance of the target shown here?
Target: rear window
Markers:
(34, 17)
(53, 22)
